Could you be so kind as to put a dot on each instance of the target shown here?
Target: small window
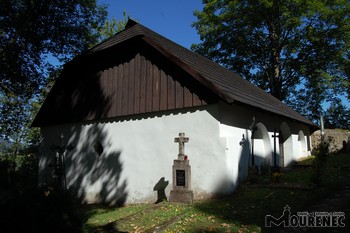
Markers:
(98, 148)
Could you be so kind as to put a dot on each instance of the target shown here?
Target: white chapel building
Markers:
(121, 104)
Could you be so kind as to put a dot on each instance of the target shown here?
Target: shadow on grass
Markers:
(248, 207)
(102, 218)
(41, 211)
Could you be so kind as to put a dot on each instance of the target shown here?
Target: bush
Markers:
(19, 172)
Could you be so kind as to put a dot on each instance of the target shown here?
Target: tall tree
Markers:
(31, 32)
(290, 48)
(113, 26)
(337, 116)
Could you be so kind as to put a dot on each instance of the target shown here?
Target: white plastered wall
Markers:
(235, 122)
(137, 153)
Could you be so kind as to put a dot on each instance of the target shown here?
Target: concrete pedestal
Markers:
(185, 197)
(181, 192)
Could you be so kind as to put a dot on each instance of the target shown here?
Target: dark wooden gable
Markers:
(132, 78)
(148, 82)
(138, 71)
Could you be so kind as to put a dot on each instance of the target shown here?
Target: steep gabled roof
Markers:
(223, 82)
(220, 81)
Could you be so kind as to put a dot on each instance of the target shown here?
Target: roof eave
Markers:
(306, 122)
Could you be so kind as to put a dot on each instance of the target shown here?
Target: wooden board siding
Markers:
(163, 102)
(138, 80)
(140, 86)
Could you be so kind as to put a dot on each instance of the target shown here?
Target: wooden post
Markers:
(274, 147)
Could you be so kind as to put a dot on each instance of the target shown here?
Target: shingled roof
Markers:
(222, 82)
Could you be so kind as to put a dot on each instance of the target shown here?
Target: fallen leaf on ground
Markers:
(225, 224)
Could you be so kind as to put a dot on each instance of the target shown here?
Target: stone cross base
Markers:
(181, 191)
(181, 197)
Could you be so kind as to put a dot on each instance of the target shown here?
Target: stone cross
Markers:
(181, 140)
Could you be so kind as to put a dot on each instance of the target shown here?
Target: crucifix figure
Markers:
(181, 140)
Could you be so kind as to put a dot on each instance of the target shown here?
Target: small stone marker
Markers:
(181, 192)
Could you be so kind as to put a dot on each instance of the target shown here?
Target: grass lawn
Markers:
(244, 211)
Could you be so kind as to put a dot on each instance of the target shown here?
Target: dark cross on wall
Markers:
(274, 147)
(59, 172)
(253, 129)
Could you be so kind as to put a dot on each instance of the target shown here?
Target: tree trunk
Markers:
(276, 82)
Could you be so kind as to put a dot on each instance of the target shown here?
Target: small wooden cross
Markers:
(274, 147)
(181, 140)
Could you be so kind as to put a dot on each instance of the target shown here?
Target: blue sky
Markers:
(170, 18)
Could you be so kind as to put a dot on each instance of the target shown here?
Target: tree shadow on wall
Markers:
(93, 170)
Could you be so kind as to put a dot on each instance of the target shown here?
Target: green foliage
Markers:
(30, 33)
(337, 116)
(19, 168)
(111, 27)
(57, 28)
(18, 151)
(295, 50)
